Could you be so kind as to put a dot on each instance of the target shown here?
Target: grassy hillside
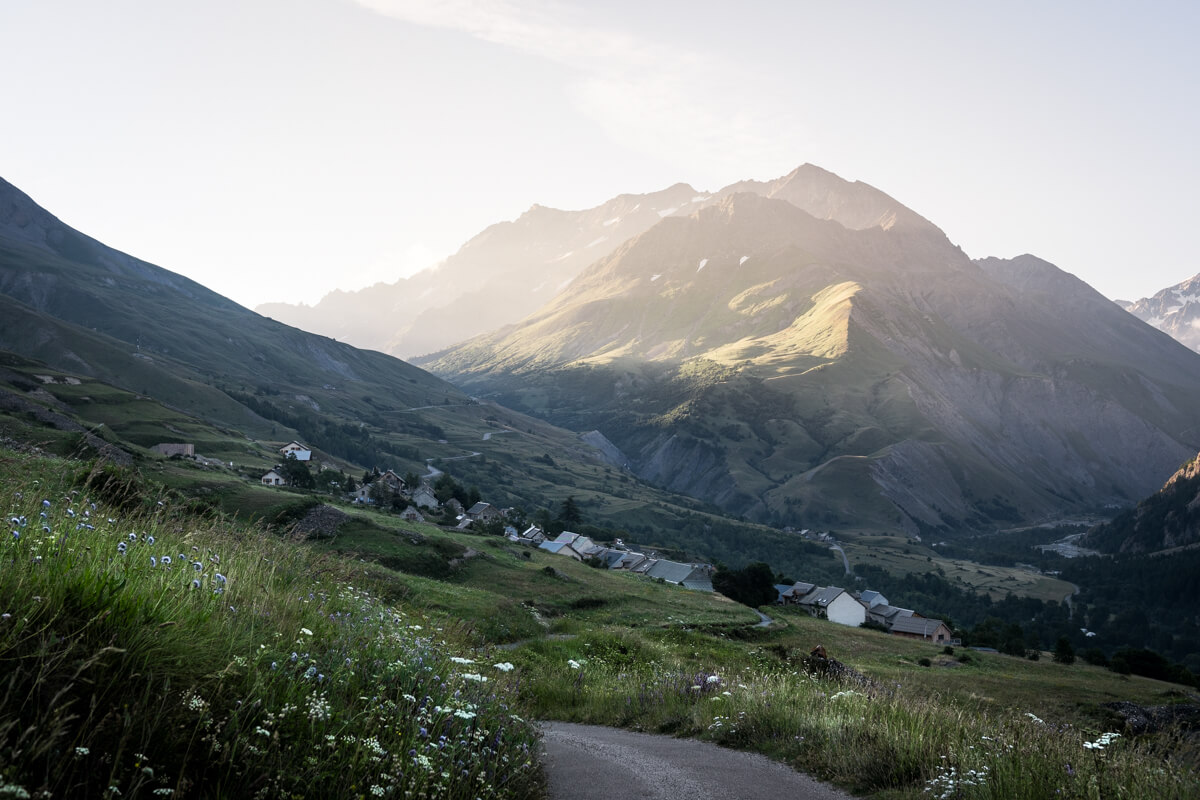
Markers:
(152, 652)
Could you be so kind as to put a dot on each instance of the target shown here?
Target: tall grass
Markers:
(872, 739)
(152, 654)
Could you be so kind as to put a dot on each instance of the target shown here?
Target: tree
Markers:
(569, 513)
(752, 585)
(1064, 653)
(296, 473)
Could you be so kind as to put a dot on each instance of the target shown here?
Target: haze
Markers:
(277, 150)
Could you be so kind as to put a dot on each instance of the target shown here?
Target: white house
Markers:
(298, 451)
(836, 605)
(273, 478)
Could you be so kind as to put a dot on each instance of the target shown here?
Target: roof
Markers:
(872, 597)
(479, 508)
(670, 571)
(888, 612)
(698, 585)
(822, 597)
(918, 625)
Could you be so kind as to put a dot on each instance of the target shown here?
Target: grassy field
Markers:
(394, 628)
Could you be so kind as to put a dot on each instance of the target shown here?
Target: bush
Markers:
(924, 662)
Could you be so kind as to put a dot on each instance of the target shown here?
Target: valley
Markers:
(800, 376)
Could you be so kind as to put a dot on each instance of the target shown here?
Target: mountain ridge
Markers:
(896, 367)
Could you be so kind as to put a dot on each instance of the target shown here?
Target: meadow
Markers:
(152, 652)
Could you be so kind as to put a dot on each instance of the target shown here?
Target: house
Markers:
(560, 549)
(484, 512)
(579, 543)
(273, 478)
(836, 605)
(532, 535)
(697, 584)
(675, 572)
(392, 481)
(424, 497)
(872, 598)
(914, 627)
(629, 561)
(170, 449)
(791, 595)
(411, 514)
(298, 451)
(886, 615)
(363, 494)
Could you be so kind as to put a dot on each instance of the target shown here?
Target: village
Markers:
(855, 609)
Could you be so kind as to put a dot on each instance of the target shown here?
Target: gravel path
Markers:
(587, 762)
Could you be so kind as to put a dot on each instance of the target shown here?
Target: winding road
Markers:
(587, 762)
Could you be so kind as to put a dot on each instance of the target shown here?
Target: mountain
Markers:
(499, 276)
(136, 355)
(513, 268)
(1168, 518)
(1174, 310)
(848, 367)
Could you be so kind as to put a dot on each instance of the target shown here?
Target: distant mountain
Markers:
(849, 366)
(1174, 310)
(499, 276)
(1168, 518)
(513, 268)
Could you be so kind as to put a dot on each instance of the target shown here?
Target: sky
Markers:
(276, 150)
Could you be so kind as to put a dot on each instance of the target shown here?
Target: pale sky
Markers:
(279, 149)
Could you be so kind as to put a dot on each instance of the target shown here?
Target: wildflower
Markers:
(195, 583)
(1034, 717)
(573, 664)
(306, 632)
(461, 714)
(475, 676)
(196, 565)
(166, 561)
(310, 673)
(458, 660)
(504, 666)
(377, 790)
(218, 577)
(133, 537)
(713, 679)
(149, 540)
(81, 751)
(294, 657)
(46, 503)
(121, 548)
(70, 512)
(16, 534)
(274, 665)
(153, 561)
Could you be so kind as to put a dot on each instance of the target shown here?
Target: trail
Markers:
(845, 561)
(587, 762)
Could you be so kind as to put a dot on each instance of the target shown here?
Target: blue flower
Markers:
(133, 537)
(153, 561)
(166, 560)
(195, 584)
(196, 565)
(149, 540)
(16, 534)
(218, 577)
(310, 672)
(46, 503)
(121, 548)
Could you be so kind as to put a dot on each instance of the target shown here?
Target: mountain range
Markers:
(1175, 310)
(811, 351)
(513, 268)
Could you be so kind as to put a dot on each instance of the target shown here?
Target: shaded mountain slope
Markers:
(800, 371)
(1168, 518)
